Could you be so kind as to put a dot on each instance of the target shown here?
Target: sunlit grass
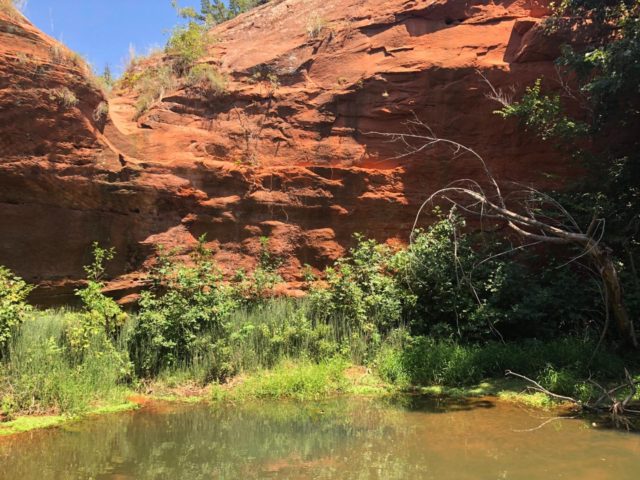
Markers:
(301, 381)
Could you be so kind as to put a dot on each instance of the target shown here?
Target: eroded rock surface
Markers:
(286, 152)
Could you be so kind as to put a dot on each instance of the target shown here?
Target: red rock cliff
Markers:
(286, 152)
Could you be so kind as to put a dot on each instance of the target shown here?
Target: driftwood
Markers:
(618, 409)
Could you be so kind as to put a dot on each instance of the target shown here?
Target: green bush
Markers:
(362, 291)
(99, 310)
(557, 364)
(182, 315)
(213, 12)
(259, 285)
(13, 307)
(466, 288)
(187, 45)
(207, 79)
(437, 268)
(151, 87)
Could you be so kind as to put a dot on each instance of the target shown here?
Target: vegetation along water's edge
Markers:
(375, 325)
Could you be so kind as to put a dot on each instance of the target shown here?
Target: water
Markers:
(340, 439)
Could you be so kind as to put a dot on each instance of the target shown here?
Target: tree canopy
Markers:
(213, 12)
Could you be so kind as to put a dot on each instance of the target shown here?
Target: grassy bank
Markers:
(48, 382)
(382, 321)
(27, 423)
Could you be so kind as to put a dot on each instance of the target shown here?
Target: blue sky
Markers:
(102, 30)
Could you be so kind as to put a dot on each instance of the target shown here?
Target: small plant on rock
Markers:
(207, 79)
(64, 97)
(315, 26)
(152, 86)
(12, 8)
(101, 112)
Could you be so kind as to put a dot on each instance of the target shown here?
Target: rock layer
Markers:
(288, 151)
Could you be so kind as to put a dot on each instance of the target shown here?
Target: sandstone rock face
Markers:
(288, 151)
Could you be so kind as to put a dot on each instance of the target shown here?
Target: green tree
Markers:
(213, 12)
(106, 76)
(603, 78)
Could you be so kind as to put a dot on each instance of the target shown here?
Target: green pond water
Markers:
(340, 439)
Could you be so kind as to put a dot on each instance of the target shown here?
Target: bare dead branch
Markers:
(536, 386)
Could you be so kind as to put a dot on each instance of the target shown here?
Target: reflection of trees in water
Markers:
(340, 439)
(251, 441)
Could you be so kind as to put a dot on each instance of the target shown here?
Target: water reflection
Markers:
(341, 439)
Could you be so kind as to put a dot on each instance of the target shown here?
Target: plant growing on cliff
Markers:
(213, 12)
(186, 45)
(101, 112)
(151, 87)
(13, 307)
(543, 114)
(207, 79)
(315, 26)
(12, 8)
(64, 97)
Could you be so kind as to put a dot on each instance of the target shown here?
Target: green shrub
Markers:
(213, 12)
(181, 316)
(100, 311)
(207, 79)
(543, 114)
(187, 45)
(151, 87)
(362, 291)
(558, 364)
(13, 307)
(259, 285)
(465, 287)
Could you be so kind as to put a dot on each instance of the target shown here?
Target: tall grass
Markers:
(561, 365)
(287, 347)
(264, 336)
(43, 376)
(301, 381)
